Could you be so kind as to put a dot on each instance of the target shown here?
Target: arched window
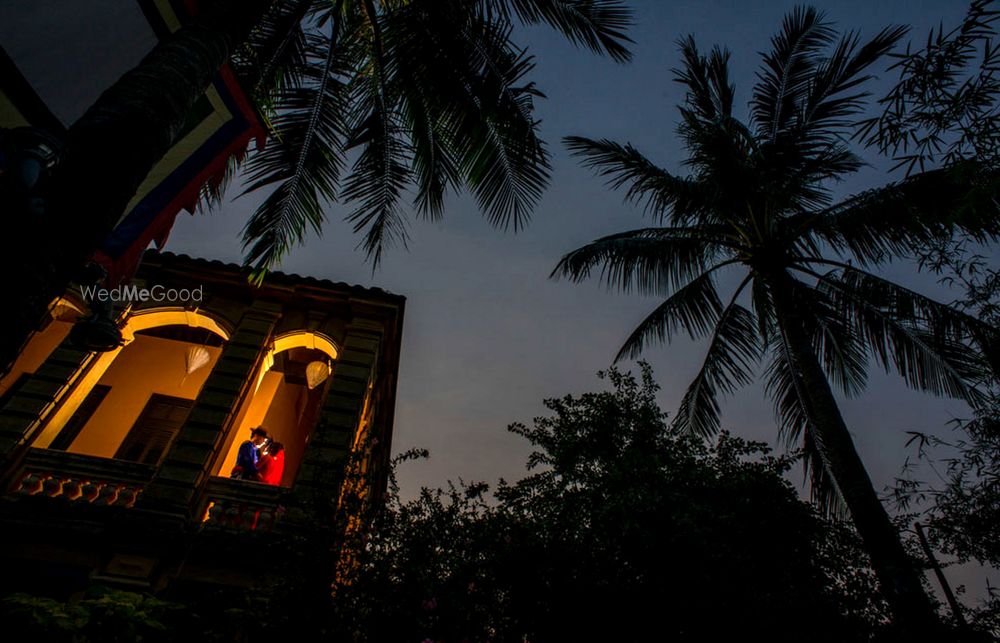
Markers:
(285, 399)
(130, 403)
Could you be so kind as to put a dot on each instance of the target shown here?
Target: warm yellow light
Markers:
(152, 318)
(295, 339)
(316, 373)
(305, 339)
(90, 373)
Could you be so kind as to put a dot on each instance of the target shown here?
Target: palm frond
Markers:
(599, 25)
(900, 217)
(841, 350)
(505, 163)
(831, 101)
(434, 163)
(376, 183)
(709, 91)
(927, 360)
(802, 181)
(694, 308)
(211, 194)
(439, 53)
(732, 354)
(784, 386)
(806, 102)
(303, 156)
(943, 323)
(793, 404)
(382, 170)
(274, 58)
(763, 307)
(720, 147)
(456, 110)
(789, 70)
(650, 263)
(459, 72)
(665, 196)
(823, 488)
(904, 303)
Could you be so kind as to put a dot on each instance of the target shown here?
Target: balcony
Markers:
(228, 505)
(241, 505)
(80, 479)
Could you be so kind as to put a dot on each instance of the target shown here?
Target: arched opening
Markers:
(131, 402)
(63, 313)
(285, 399)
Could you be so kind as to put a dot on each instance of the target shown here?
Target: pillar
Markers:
(319, 478)
(33, 401)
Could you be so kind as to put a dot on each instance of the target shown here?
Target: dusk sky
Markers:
(487, 334)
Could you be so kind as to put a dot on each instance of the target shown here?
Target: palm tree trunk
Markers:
(108, 153)
(913, 613)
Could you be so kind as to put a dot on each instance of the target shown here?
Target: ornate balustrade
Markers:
(80, 478)
(242, 505)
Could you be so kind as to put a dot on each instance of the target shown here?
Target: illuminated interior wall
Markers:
(290, 420)
(38, 349)
(148, 365)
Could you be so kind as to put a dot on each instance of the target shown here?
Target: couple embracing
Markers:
(260, 459)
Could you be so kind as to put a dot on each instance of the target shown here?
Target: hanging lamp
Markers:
(195, 358)
(316, 373)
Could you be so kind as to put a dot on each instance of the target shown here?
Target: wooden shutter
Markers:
(80, 418)
(155, 429)
(21, 380)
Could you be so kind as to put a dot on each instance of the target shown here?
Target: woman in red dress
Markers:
(272, 464)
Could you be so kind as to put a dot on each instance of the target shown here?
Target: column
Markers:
(34, 400)
(318, 481)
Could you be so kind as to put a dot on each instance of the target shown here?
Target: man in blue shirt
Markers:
(246, 458)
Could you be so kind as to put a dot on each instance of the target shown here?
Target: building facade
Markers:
(116, 465)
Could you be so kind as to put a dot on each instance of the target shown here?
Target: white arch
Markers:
(172, 316)
(304, 339)
(294, 339)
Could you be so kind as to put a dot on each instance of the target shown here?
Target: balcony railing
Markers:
(81, 478)
(242, 505)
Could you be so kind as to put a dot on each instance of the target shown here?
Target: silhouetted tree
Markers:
(626, 530)
(944, 107)
(945, 110)
(758, 200)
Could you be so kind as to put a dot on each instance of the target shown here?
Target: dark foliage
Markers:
(945, 110)
(625, 530)
(944, 107)
(101, 614)
(952, 480)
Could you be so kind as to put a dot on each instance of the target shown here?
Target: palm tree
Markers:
(432, 95)
(429, 92)
(758, 200)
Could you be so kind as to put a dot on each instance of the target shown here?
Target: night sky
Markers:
(487, 334)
